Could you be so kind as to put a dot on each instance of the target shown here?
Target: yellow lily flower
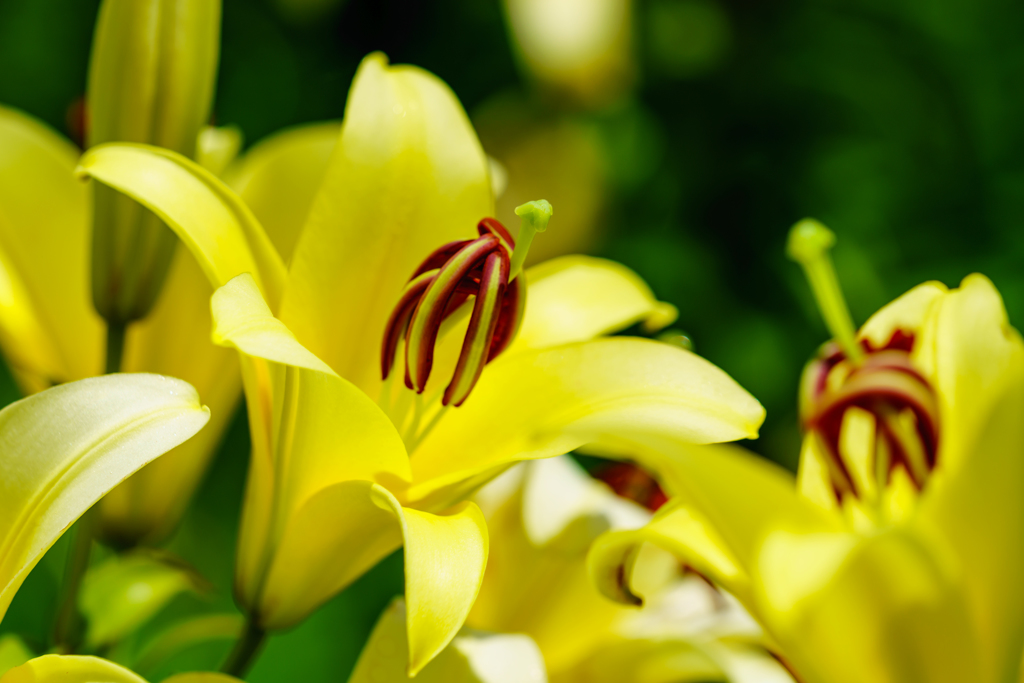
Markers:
(66, 447)
(50, 332)
(348, 466)
(895, 554)
(85, 669)
(543, 517)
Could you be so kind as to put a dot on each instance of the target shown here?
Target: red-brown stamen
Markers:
(887, 386)
(445, 281)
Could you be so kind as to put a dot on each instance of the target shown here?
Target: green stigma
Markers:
(808, 244)
(535, 216)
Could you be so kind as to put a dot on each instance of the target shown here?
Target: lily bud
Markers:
(151, 80)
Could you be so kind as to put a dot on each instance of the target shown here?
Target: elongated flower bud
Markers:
(151, 80)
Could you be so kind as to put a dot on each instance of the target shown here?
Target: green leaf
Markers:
(121, 594)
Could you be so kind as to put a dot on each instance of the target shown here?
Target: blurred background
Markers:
(680, 137)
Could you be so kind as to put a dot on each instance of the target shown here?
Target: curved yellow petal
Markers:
(576, 298)
(407, 176)
(174, 340)
(243, 320)
(66, 447)
(547, 402)
(311, 430)
(969, 350)
(344, 529)
(907, 312)
(70, 669)
(544, 592)
(216, 226)
(279, 177)
(472, 657)
(882, 608)
(680, 530)
(979, 513)
(48, 328)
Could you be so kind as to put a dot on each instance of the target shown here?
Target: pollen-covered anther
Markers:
(447, 279)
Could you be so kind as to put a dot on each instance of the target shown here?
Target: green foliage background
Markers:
(896, 122)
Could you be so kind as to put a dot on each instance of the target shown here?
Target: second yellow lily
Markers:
(895, 555)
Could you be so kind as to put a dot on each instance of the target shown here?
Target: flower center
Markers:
(874, 413)
(873, 418)
(486, 269)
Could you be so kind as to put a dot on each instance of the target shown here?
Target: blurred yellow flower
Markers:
(543, 517)
(346, 466)
(895, 554)
(579, 50)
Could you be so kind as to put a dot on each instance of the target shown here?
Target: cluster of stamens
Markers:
(885, 385)
(478, 268)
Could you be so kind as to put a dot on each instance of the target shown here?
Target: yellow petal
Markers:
(969, 350)
(908, 313)
(279, 177)
(68, 446)
(311, 430)
(548, 402)
(680, 530)
(879, 609)
(242, 320)
(408, 175)
(346, 528)
(978, 510)
(70, 669)
(211, 220)
(472, 657)
(48, 328)
(544, 593)
(174, 340)
(565, 507)
(576, 298)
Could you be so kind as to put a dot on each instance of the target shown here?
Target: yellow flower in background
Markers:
(894, 555)
(578, 50)
(543, 517)
(65, 447)
(49, 330)
(347, 467)
(85, 669)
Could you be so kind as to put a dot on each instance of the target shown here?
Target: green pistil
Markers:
(535, 215)
(808, 244)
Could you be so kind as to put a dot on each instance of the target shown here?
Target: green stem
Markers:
(246, 649)
(67, 629)
(115, 346)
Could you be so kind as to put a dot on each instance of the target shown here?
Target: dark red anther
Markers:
(885, 385)
(440, 286)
